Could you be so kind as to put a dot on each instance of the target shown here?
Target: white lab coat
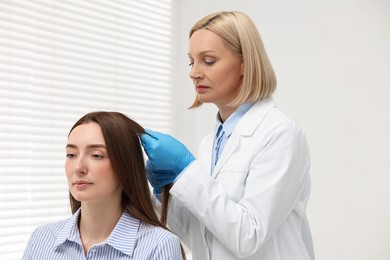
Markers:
(255, 201)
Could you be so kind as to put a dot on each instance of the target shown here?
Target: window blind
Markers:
(58, 61)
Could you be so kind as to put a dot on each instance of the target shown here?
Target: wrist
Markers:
(190, 158)
(157, 191)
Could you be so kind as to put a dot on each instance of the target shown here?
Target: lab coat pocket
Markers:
(233, 176)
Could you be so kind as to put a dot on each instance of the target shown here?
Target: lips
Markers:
(81, 185)
(201, 88)
(81, 182)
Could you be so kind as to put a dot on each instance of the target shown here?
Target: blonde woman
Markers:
(245, 196)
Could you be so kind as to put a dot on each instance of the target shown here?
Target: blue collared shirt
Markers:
(130, 239)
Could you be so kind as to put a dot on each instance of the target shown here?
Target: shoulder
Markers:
(51, 229)
(43, 239)
(150, 232)
(278, 119)
(279, 128)
(266, 117)
(272, 129)
(157, 243)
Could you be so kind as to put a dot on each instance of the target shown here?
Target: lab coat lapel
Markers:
(245, 127)
(226, 153)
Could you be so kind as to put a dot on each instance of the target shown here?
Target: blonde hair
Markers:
(241, 36)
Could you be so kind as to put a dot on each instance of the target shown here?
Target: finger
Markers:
(160, 176)
(152, 133)
(147, 140)
(157, 135)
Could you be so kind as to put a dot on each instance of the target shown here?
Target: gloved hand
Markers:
(167, 158)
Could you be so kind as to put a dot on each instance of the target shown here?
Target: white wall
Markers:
(332, 59)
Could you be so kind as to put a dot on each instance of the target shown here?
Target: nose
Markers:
(81, 167)
(195, 72)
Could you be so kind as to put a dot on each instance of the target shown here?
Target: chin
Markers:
(204, 100)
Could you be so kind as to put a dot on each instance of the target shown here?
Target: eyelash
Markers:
(70, 155)
(97, 156)
(205, 62)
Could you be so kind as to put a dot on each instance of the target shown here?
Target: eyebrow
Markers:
(90, 146)
(202, 52)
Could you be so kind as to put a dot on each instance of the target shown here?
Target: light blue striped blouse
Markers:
(130, 239)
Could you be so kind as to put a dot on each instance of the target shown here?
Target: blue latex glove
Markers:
(167, 158)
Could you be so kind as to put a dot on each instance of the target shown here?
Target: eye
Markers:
(96, 156)
(70, 155)
(209, 62)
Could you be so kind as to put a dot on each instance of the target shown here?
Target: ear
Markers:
(242, 68)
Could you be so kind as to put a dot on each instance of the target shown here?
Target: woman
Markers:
(112, 217)
(245, 196)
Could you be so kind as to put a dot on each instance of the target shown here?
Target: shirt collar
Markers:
(231, 122)
(126, 225)
(70, 230)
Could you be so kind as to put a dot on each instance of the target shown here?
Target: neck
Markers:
(225, 112)
(97, 222)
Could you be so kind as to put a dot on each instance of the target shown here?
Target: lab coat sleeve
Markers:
(277, 173)
(180, 224)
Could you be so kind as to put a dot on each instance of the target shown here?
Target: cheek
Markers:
(229, 75)
(68, 170)
(230, 82)
(235, 71)
(108, 173)
(236, 77)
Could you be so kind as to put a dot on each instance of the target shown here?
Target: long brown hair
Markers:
(121, 135)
